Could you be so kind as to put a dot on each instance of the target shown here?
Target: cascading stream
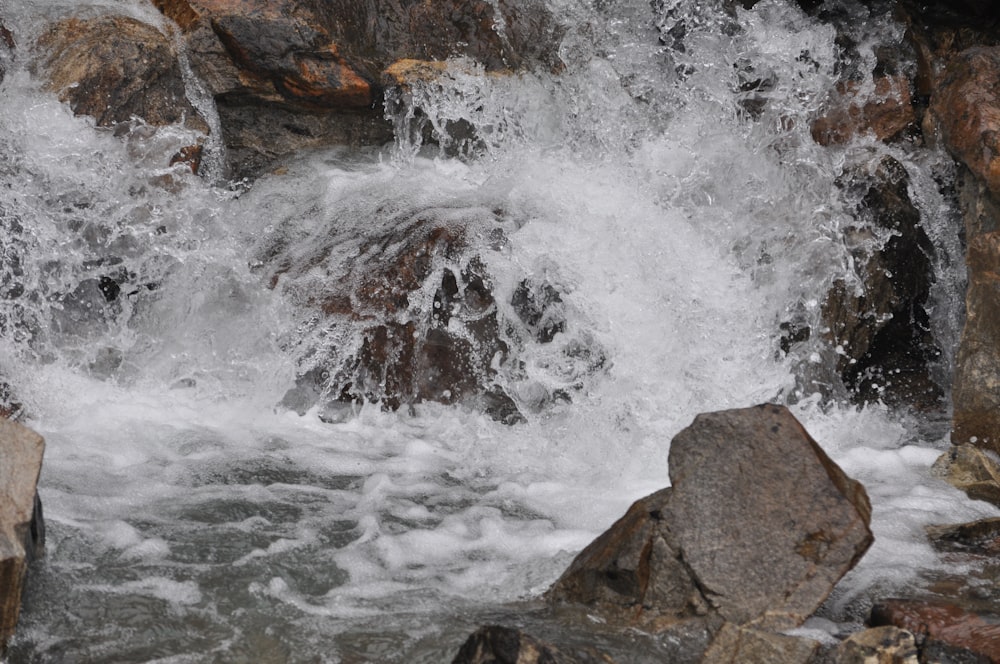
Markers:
(665, 185)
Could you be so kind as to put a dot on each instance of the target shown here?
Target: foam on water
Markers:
(192, 519)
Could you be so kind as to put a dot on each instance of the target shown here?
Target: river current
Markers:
(192, 518)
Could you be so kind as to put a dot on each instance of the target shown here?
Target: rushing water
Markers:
(192, 519)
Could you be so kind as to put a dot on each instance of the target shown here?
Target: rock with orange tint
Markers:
(883, 110)
(944, 622)
(288, 75)
(966, 111)
(113, 68)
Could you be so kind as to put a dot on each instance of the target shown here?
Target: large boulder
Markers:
(114, 68)
(22, 531)
(757, 527)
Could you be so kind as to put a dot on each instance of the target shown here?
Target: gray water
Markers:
(192, 518)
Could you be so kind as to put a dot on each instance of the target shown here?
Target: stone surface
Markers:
(880, 324)
(493, 644)
(739, 645)
(758, 526)
(976, 389)
(980, 537)
(288, 75)
(113, 68)
(882, 108)
(965, 107)
(22, 531)
(878, 645)
(972, 470)
(941, 621)
(408, 295)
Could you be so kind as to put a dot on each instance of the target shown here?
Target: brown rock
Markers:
(740, 645)
(758, 526)
(288, 75)
(885, 113)
(972, 470)
(880, 325)
(966, 110)
(493, 644)
(976, 389)
(113, 68)
(942, 621)
(878, 645)
(980, 537)
(22, 531)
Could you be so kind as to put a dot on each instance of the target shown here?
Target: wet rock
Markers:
(878, 645)
(884, 111)
(973, 470)
(966, 110)
(980, 537)
(113, 68)
(411, 302)
(493, 644)
(942, 622)
(757, 527)
(880, 325)
(734, 645)
(976, 389)
(22, 530)
(288, 75)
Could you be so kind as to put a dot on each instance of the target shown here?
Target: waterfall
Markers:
(206, 503)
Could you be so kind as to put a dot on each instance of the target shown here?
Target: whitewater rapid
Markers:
(191, 518)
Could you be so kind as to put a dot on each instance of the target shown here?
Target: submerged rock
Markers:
(757, 527)
(114, 68)
(22, 530)
(974, 471)
(980, 537)
(884, 111)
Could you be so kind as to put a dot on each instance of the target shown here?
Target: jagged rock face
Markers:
(757, 527)
(113, 68)
(880, 325)
(288, 75)
(22, 531)
(966, 110)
